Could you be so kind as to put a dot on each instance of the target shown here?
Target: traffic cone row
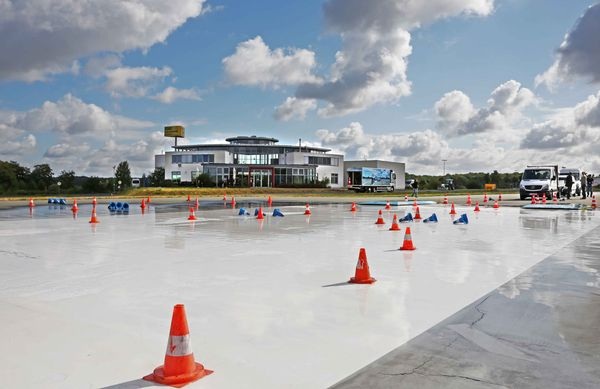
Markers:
(380, 218)
(395, 226)
(180, 367)
(452, 210)
(307, 210)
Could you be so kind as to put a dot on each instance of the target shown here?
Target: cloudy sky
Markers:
(483, 84)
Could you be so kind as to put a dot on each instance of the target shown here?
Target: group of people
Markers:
(587, 184)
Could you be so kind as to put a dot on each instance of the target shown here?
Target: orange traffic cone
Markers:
(395, 226)
(417, 215)
(533, 199)
(380, 218)
(31, 203)
(197, 204)
(307, 210)
(408, 243)
(362, 274)
(496, 205)
(143, 204)
(188, 200)
(485, 198)
(224, 197)
(469, 202)
(554, 198)
(269, 201)
(445, 199)
(180, 368)
(452, 210)
(594, 202)
(94, 202)
(544, 199)
(74, 208)
(192, 214)
(476, 207)
(405, 197)
(148, 200)
(415, 203)
(353, 207)
(499, 196)
(260, 215)
(387, 205)
(232, 201)
(94, 218)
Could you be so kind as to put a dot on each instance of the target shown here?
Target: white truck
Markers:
(562, 175)
(367, 179)
(539, 180)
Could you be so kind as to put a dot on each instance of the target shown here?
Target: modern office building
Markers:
(253, 161)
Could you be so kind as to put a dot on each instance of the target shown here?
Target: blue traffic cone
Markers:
(432, 218)
(407, 218)
(243, 212)
(463, 219)
(277, 212)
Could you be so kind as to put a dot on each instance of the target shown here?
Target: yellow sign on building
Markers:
(175, 131)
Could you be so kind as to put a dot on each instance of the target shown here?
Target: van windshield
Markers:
(536, 174)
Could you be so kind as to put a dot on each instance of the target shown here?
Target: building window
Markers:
(176, 175)
(319, 161)
(334, 178)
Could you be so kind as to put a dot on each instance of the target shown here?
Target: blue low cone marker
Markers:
(462, 220)
(243, 212)
(277, 212)
(407, 218)
(126, 207)
(112, 206)
(432, 218)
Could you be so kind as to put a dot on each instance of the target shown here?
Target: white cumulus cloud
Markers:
(456, 115)
(43, 37)
(294, 108)
(255, 64)
(170, 94)
(134, 81)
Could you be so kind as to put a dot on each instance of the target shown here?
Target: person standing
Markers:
(590, 184)
(569, 185)
(583, 184)
(415, 186)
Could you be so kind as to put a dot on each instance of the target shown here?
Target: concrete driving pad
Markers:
(539, 330)
(267, 302)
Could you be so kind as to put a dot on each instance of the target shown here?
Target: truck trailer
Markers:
(367, 179)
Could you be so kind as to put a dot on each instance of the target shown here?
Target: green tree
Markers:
(42, 176)
(123, 174)
(67, 179)
(157, 177)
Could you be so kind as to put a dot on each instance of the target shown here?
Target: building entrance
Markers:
(261, 177)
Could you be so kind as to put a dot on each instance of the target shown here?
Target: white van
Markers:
(135, 182)
(576, 188)
(539, 180)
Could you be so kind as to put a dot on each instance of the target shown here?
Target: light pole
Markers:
(444, 161)
(59, 184)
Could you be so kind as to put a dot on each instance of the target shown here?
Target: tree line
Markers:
(469, 180)
(41, 179)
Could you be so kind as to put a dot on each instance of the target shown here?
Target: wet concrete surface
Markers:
(539, 330)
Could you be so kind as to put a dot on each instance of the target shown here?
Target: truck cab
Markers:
(539, 180)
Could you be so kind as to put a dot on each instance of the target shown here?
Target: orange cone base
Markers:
(407, 248)
(395, 227)
(369, 280)
(380, 221)
(177, 381)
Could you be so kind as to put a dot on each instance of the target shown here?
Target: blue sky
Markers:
(481, 83)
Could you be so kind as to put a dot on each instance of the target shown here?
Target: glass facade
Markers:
(193, 158)
(256, 159)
